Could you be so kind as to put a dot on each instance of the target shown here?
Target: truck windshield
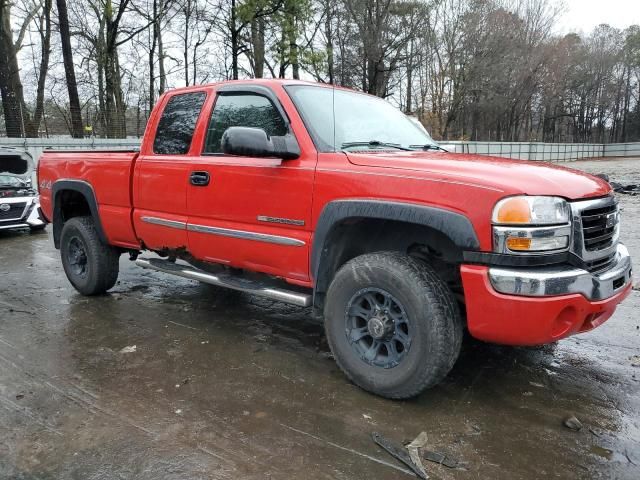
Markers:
(344, 120)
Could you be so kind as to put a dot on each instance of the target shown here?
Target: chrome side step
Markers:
(227, 280)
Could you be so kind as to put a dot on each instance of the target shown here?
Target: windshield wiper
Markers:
(373, 143)
(428, 146)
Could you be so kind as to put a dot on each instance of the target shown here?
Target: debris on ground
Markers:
(631, 189)
(635, 361)
(595, 431)
(573, 423)
(129, 349)
(413, 448)
(399, 453)
(442, 459)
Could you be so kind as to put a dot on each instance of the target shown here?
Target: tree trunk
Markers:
(235, 44)
(152, 58)
(409, 106)
(11, 89)
(114, 101)
(257, 39)
(328, 31)
(33, 127)
(69, 70)
(161, 69)
(185, 45)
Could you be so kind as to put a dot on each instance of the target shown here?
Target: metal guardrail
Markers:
(538, 151)
(551, 152)
(35, 146)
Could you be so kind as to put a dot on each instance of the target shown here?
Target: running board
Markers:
(235, 282)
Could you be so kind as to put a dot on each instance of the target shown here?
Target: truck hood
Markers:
(16, 163)
(509, 176)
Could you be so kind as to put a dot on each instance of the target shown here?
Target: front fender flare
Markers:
(454, 225)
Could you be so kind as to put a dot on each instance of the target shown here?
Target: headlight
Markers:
(531, 211)
(526, 224)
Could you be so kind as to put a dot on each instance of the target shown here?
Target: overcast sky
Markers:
(584, 15)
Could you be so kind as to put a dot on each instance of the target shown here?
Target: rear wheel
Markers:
(393, 325)
(91, 266)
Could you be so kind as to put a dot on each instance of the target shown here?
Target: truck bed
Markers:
(108, 173)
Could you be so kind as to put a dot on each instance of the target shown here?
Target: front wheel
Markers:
(91, 266)
(392, 323)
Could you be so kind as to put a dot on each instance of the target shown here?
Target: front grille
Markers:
(598, 229)
(14, 212)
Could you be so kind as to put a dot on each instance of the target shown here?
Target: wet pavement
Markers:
(225, 385)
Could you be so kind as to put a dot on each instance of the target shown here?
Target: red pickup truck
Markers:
(322, 196)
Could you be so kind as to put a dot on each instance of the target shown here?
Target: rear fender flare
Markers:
(86, 190)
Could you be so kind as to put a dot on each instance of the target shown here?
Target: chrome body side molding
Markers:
(245, 235)
(225, 232)
(164, 222)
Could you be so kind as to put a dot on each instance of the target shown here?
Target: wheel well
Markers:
(356, 236)
(72, 204)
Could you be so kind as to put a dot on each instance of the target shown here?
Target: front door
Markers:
(252, 213)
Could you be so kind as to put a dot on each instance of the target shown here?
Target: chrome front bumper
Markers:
(564, 280)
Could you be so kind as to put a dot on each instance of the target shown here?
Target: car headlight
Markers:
(526, 224)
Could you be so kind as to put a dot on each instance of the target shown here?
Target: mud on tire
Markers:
(393, 325)
(91, 266)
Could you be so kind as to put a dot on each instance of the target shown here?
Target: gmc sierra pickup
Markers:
(322, 196)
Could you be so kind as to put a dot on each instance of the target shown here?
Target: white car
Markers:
(19, 201)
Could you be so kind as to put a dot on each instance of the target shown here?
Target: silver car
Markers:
(19, 201)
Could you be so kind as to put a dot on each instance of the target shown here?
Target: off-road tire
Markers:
(435, 323)
(102, 260)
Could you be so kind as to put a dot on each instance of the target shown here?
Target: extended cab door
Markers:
(253, 213)
(162, 173)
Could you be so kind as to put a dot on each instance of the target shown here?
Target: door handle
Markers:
(199, 179)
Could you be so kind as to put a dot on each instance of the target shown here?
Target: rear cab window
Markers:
(177, 124)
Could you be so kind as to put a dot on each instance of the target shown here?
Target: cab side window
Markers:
(242, 110)
(177, 124)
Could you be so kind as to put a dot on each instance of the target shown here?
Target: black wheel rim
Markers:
(377, 328)
(77, 257)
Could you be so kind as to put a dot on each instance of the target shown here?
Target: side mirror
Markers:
(254, 142)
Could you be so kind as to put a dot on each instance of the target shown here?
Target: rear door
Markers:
(253, 213)
(162, 174)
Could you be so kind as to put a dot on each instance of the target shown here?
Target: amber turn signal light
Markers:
(518, 243)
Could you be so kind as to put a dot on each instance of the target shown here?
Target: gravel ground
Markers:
(167, 379)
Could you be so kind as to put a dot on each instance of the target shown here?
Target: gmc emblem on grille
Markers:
(5, 207)
(611, 220)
